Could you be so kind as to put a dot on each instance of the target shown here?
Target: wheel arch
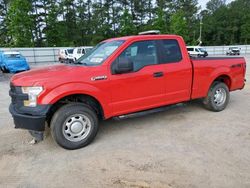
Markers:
(77, 98)
(224, 78)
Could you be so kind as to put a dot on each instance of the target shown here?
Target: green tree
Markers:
(127, 26)
(53, 30)
(20, 23)
(214, 5)
(4, 38)
(178, 25)
(160, 21)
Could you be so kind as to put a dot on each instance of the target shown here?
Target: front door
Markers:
(142, 88)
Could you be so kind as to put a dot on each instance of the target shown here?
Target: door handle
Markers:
(158, 74)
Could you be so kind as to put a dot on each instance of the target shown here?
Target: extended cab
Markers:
(120, 77)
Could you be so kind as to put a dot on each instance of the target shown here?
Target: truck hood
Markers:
(41, 76)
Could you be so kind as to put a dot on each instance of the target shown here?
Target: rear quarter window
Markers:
(170, 51)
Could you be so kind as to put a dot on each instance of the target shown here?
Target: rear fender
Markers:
(222, 71)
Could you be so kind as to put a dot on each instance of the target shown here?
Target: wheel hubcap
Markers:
(76, 127)
(220, 97)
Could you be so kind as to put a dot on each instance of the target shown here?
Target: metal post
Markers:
(34, 54)
(54, 55)
(200, 39)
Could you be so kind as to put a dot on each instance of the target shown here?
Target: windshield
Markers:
(235, 48)
(100, 53)
(202, 49)
(12, 56)
(70, 51)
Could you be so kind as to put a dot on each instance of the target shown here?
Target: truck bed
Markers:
(208, 69)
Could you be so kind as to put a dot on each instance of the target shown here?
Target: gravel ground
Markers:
(186, 146)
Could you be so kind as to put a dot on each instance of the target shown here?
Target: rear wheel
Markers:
(74, 126)
(217, 97)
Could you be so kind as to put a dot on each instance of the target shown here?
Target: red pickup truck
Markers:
(120, 77)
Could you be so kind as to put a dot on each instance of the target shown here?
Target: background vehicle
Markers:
(80, 51)
(13, 62)
(66, 55)
(197, 51)
(121, 77)
(233, 51)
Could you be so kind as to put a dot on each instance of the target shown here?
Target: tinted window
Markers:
(170, 52)
(79, 51)
(141, 53)
(190, 49)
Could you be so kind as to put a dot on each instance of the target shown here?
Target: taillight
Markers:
(244, 69)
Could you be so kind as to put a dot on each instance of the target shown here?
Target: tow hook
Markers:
(37, 135)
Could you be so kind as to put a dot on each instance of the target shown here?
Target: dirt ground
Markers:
(186, 146)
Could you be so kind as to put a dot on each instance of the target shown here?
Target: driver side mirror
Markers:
(122, 65)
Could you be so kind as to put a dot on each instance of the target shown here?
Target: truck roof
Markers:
(138, 37)
(11, 53)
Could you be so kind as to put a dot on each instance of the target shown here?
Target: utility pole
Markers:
(199, 40)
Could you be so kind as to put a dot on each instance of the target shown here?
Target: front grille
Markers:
(17, 97)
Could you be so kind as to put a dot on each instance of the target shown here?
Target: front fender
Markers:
(54, 95)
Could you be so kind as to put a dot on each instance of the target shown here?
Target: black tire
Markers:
(211, 103)
(4, 70)
(59, 121)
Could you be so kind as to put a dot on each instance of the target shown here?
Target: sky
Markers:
(204, 2)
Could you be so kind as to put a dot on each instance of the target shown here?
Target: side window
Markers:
(141, 53)
(83, 51)
(190, 49)
(79, 50)
(197, 50)
(170, 51)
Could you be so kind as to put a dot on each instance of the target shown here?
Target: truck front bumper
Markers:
(28, 121)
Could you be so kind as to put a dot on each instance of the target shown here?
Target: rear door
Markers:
(142, 88)
(177, 71)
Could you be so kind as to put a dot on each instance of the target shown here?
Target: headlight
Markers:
(33, 93)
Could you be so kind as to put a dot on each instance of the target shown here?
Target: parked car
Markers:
(233, 51)
(197, 51)
(80, 51)
(120, 78)
(13, 62)
(66, 55)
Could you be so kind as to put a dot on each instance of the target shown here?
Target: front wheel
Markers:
(74, 126)
(217, 97)
(4, 70)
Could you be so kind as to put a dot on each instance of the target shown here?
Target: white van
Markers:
(197, 51)
(65, 55)
(80, 51)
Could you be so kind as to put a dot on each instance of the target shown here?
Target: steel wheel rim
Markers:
(220, 96)
(76, 127)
